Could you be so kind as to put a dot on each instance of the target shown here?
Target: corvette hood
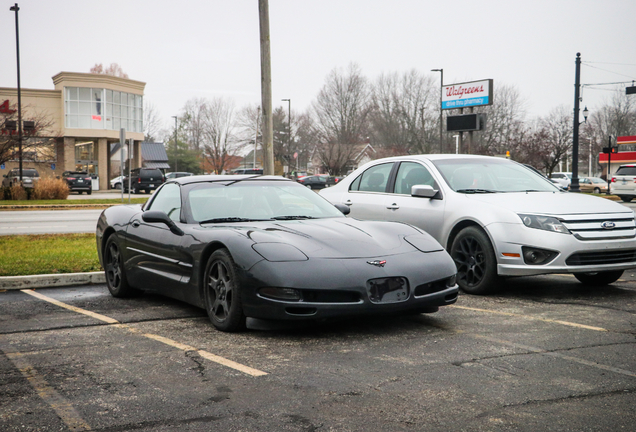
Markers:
(341, 238)
(548, 203)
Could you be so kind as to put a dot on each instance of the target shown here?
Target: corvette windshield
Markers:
(256, 200)
(478, 176)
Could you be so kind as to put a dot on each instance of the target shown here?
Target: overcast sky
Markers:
(205, 48)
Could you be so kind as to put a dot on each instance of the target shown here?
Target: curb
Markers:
(51, 280)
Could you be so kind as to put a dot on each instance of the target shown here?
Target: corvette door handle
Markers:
(348, 202)
(135, 223)
(393, 206)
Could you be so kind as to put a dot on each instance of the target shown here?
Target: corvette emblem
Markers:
(608, 225)
(377, 263)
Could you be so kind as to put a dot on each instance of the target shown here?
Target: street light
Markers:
(289, 127)
(574, 186)
(15, 9)
(176, 148)
(441, 90)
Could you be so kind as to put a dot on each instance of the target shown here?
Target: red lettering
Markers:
(5, 109)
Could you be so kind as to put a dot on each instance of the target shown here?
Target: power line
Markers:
(605, 70)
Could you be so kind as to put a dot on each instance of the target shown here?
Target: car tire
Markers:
(599, 278)
(597, 190)
(476, 263)
(117, 186)
(626, 198)
(222, 292)
(89, 192)
(114, 270)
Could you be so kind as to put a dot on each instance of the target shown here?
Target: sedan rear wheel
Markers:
(114, 270)
(626, 198)
(222, 292)
(599, 278)
(475, 259)
(597, 190)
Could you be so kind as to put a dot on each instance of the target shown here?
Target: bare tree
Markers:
(554, 137)
(38, 136)
(219, 128)
(113, 70)
(506, 117)
(341, 111)
(193, 117)
(402, 119)
(152, 122)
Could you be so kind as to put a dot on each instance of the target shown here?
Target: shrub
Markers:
(50, 188)
(15, 192)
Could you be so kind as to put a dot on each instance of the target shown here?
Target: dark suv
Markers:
(78, 181)
(144, 179)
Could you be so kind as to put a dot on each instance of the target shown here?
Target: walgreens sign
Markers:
(469, 94)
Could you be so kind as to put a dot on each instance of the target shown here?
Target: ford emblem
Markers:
(608, 225)
(377, 263)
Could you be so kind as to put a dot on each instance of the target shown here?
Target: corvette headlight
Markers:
(547, 223)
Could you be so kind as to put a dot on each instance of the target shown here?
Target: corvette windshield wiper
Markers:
(293, 217)
(230, 219)
(473, 191)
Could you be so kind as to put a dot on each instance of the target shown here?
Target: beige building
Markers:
(76, 124)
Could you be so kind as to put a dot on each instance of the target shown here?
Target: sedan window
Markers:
(411, 174)
(168, 200)
(374, 179)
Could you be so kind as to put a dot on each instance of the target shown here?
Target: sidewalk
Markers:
(51, 280)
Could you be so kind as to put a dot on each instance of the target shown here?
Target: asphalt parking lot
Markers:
(546, 354)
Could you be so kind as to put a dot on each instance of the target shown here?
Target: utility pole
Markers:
(574, 187)
(17, 50)
(266, 89)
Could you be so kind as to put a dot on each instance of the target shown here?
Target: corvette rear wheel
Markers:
(599, 278)
(475, 259)
(222, 292)
(114, 269)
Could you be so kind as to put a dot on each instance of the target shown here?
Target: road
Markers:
(546, 354)
(48, 221)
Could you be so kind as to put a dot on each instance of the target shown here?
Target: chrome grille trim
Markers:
(589, 226)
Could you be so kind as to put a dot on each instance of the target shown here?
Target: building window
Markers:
(93, 108)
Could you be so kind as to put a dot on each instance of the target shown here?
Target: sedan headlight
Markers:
(547, 223)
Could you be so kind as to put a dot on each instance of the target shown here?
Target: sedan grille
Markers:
(602, 257)
(601, 226)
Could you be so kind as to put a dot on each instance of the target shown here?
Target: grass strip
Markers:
(22, 255)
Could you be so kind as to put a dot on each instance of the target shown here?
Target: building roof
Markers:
(154, 152)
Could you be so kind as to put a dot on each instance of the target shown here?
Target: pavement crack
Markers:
(198, 360)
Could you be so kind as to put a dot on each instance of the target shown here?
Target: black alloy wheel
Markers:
(475, 259)
(599, 278)
(114, 269)
(222, 292)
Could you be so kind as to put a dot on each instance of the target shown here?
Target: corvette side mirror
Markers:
(155, 216)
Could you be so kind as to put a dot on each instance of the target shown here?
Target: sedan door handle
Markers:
(136, 223)
(393, 206)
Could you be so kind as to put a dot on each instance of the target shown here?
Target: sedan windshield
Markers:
(491, 176)
(256, 200)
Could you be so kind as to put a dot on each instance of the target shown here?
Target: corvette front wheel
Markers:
(222, 293)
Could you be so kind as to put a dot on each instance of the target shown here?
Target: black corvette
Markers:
(266, 247)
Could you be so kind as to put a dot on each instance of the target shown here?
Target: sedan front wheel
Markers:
(599, 278)
(222, 292)
(475, 259)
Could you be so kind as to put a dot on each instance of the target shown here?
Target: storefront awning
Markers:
(160, 165)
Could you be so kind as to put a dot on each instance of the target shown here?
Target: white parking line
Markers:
(212, 357)
(530, 317)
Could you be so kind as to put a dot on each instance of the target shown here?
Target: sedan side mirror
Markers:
(345, 210)
(155, 216)
(424, 191)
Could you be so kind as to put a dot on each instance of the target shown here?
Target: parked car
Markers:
(29, 177)
(317, 181)
(177, 174)
(495, 217)
(562, 178)
(144, 179)
(623, 182)
(269, 248)
(116, 182)
(592, 185)
(78, 181)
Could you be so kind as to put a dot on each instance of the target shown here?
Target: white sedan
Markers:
(495, 217)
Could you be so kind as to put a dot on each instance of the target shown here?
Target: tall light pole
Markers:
(441, 121)
(258, 119)
(176, 146)
(15, 9)
(289, 127)
(574, 186)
